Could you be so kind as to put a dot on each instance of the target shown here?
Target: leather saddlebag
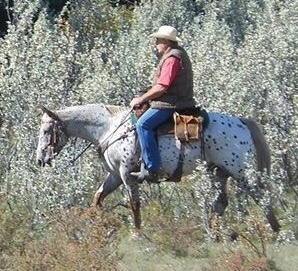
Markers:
(187, 127)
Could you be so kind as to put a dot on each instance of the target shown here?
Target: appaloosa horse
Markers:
(227, 144)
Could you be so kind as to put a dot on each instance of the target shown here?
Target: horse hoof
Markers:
(138, 234)
(96, 202)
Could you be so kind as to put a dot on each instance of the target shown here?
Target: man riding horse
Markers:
(230, 143)
(172, 90)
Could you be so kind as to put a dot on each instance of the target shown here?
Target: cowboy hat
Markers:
(166, 32)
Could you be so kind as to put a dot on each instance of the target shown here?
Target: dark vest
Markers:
(180, 94)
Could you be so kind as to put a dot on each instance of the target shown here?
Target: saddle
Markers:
(186, 125)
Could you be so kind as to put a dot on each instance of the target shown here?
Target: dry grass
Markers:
(87, 239)
(176, 236)
(76, 239)
(240, 261)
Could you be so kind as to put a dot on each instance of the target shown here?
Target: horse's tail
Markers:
(261, 145)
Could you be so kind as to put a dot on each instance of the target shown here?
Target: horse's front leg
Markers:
(136, 207)
(111, 183)
(132, 188)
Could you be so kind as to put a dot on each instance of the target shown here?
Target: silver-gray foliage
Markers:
(242, 65)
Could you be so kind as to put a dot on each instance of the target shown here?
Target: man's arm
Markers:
(168, 73)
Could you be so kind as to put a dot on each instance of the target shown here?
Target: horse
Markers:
(226, 144)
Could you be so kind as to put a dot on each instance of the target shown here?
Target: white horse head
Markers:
(52, 137)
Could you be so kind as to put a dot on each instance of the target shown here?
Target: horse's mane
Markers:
(115, 109)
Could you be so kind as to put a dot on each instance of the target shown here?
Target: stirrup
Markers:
(144, 174)
(140, 175)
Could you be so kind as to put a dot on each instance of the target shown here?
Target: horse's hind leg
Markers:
(110, 184)
(257, 193)
(219, 184)
(221, 201)
(272, 219)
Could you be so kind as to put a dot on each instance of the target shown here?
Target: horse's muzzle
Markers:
(43, 158)
(40, 162)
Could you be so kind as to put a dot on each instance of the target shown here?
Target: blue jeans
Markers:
(146, 126)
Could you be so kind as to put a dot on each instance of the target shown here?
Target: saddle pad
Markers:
(187, 127)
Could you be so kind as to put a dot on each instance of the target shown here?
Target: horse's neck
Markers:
(88, 122)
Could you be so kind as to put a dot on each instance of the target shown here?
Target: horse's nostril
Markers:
(40, 162)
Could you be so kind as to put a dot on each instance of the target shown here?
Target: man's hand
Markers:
(135, 102)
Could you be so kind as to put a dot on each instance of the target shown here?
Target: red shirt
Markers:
(169, 70)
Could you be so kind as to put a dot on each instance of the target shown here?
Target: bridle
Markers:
(54, 140)
(53, 146)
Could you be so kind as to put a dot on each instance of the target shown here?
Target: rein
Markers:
(80, 154)
(103, 146)
(101, 149)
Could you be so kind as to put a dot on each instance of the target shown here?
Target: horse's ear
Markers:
(49, 112)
